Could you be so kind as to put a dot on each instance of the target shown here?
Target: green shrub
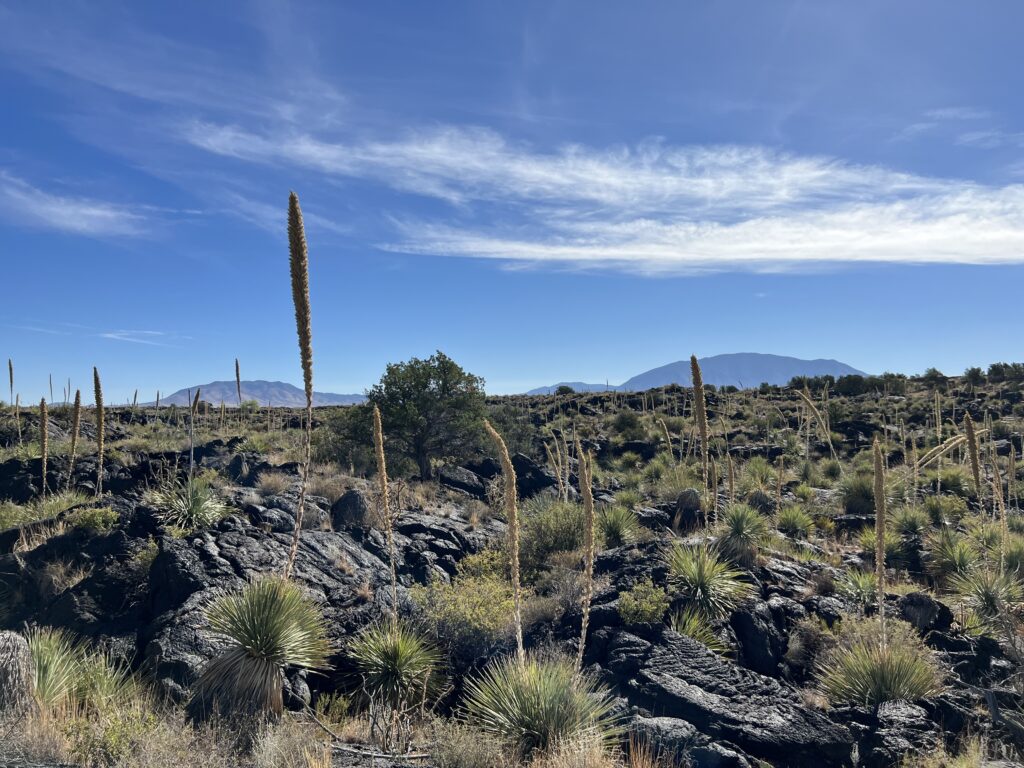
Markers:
(864, 671)
(741, 532)
(706, 582)
(694, 624)
(643, 604)
(795, 523)
(548, 526)
(831, 469)
(893, 544)
(629, 498)
(804, 492)
(857, 494)
(539, 704)
(952, 480)
(99, 519)
(675, 480)
(617, 526)
(471, 618)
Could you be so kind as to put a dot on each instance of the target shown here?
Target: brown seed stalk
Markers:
(98, 394)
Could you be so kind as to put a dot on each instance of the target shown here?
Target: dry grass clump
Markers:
(273, 482)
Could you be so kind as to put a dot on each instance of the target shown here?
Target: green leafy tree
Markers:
(429, 408)
(974, 377)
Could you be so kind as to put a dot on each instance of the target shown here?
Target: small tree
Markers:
(429, 408)
(974, 377)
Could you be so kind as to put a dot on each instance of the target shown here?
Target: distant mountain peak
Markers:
(275, 393)
(738, 369)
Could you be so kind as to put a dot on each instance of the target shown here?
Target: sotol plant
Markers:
(879, 491)
(385, 507)
(76, 423)
(98, 394)
(586, 490)
(299, 267)
(700, 415)
(44, 443)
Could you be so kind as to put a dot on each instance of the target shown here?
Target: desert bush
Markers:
(271, 625)
(859, 586)
(795, 523)
(741, 532)
(629, 498)
(617, 525)
(705, 582)
(695, 625)
(804, 492)
(645, 603)
(893, 544)
(548, 527)
(674, 480)
(96, 519)
(538, 704)
(831, 469)
(457, 745)
(471, 617)
(857, 494)
(863, 670)
(809, 639)
(187, 505)
(273, 482)
(953, 480)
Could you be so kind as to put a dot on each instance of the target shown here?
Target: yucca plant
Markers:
(795, 523)
(694, 624)
(102, 682)
(741, 532)
(948, 554)
(866, 670)
(397, 664)
(618, 525)
(187, 505)
(55, 660)
(539, 704)
(298, 258)
(991, 595)
(271, 625)
(704, 581)
(911, 522)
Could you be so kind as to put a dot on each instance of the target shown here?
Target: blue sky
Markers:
(543, 190)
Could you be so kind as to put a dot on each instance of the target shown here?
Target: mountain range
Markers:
(275, 393)
(741, 369)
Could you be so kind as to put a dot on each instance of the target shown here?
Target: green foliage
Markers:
(694, 624)
(396, 662)
(804, 492)
(893, 544)
(992, 596)
(628, 425)
(539, 704)
(795, 523)
(429, 409)
(909, 522)
(949, 554)
(548, 526)
(704, 581)
(643, 604)
(471, 617)
(857, 494)
(673, 480)
(98, 519)
(187, 505)
(864, 671)
(271, 625)
(943, 510)
(831, 469)
(617, 525)
(741, 532)
(952, 480)
(859, 586)
(55, 660)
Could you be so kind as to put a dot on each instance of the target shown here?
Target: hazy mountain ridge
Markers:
(741, 369)
(275, 393)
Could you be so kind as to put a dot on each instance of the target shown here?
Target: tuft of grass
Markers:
(705, 581)
(271, 625)
(694, 624)
(538, 704)
(872, 665)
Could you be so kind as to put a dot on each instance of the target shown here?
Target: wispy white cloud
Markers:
(959, 113)
(150, 338)
(655, 208)
(991, 139)
(27, 204)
